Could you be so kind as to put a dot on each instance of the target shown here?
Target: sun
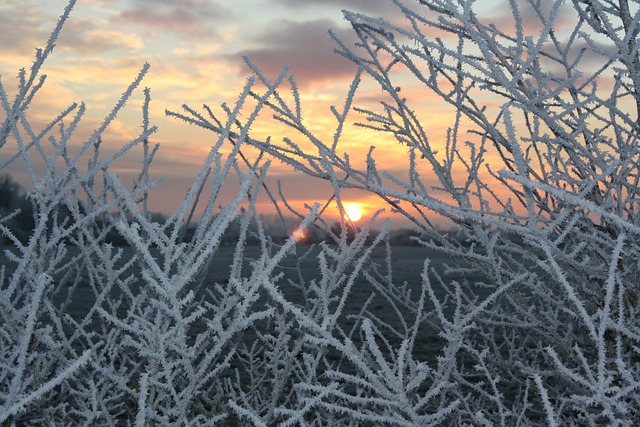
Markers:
(353, 212)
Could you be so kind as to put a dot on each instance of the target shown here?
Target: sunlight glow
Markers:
(353, 212)
(299, 235)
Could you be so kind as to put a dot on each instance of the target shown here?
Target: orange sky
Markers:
(195, 49)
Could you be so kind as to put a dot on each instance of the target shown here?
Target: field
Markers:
(406, 262)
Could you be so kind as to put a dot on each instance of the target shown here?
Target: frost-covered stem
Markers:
(24, 401)
(551, 419)
(28, 87)
(16, 383)
(146, 158)
(631, 28)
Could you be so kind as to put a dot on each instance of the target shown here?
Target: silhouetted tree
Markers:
(9, 192)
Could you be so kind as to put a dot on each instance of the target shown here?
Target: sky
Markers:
(195, 48)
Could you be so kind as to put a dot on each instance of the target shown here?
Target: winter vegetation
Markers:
(532, 309)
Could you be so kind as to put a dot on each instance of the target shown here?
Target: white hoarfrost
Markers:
(532, 307)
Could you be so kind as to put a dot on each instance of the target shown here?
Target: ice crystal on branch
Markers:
(528, 314)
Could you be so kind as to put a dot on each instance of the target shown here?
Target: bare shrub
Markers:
(533, 307)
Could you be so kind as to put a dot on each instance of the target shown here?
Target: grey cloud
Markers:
(25, 27)
(503, 18)
(306, 47)
(187, 17)
(22, 28)
(367, 6)
(81, 35)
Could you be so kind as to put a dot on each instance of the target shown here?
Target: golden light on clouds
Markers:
(106, 43)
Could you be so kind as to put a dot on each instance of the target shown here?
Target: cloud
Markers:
(367, 6)
(192, 18)
(22, 28)
(84, 36)
(305, 46)
(503, 17)
(101, 2)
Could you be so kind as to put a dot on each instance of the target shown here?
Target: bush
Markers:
(535, 301)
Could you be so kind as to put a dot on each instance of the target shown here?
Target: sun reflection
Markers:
(300, 235)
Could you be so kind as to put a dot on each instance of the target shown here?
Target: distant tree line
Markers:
(18, 208)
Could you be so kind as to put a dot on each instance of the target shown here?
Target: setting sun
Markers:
(353, 212)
